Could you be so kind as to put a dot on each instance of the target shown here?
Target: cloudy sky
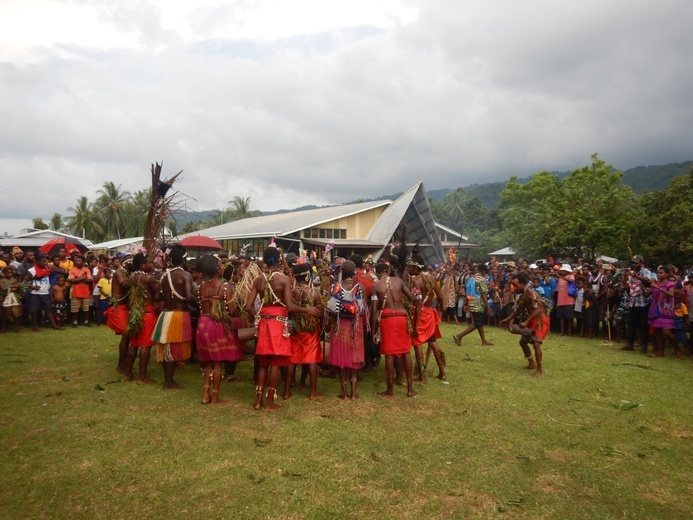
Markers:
(320, 102)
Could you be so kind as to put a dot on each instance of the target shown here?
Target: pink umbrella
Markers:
(200, 242)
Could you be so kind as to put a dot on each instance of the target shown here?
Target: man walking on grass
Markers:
(477, 295)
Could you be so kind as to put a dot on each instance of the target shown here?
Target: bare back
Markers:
(428, 289)
(118, 284)
(176, 286)
(391, 291)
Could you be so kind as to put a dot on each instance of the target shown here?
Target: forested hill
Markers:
(640, 179)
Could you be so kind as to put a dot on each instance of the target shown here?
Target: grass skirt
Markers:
(13, 306)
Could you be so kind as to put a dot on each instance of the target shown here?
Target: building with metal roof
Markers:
(32, 239)
(366, 228)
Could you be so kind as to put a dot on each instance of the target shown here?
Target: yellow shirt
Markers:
(681, 311)
(2, 264)
(66, 264)
(104, 286)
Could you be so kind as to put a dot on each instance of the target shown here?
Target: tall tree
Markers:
(84, 220)
(662, 228)
(240, 208)
(111, 204)
(191, 226)
(38, 223)
(580, 216)
(134, 212)
(466, 213)
(220, 216)
(56, 222)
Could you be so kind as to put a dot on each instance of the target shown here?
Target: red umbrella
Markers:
(200, 242)
(53, 245)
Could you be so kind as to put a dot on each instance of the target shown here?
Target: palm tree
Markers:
(85, 220)
(111, 204)
(135, 212)
(191, 226)
(240, 208)
(456, 206)
(220, 216)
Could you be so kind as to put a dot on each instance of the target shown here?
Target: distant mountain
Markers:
(640, 179)
(654, 178)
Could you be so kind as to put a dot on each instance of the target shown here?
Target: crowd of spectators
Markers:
(599, 300)
(644, 308)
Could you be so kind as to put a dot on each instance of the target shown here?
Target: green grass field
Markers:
(492, 443)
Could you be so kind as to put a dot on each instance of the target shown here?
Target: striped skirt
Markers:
(173, 336)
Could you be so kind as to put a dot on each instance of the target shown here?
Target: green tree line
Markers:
(587, 213)
(116, 213)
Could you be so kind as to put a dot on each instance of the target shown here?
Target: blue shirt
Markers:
(549, 287)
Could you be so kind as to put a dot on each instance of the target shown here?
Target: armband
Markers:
(374, 298)
(419, 297)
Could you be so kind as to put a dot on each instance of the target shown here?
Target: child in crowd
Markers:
(579, 326)
(55, 270)
(507, 299)
(613, 299)
(59, 301)
(104, 288)
(680, 324)
(590, 311)
(12, 292)
(495, 302)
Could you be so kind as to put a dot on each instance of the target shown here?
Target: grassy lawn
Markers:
(492, 443)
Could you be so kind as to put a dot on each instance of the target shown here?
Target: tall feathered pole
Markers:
(160, 208)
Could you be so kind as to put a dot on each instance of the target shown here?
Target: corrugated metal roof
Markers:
(39, 237)
(414, 209)
(282, 224)
(463, 245)
(115, 244)
(451, 231)
(503, 252)
(341, 242)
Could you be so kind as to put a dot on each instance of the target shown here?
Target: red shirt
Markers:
(80, 289)
(367, 281)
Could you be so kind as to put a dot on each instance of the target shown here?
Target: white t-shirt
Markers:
(94, 274)
(44, 283)
(578, 300)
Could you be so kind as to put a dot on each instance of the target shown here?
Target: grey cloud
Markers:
(470, 92)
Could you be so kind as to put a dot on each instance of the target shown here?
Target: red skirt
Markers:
(117, 318)
(428, 326)
(395, 339)
(540, 327)
(144, 338)
(270, 332)
(305, 348)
